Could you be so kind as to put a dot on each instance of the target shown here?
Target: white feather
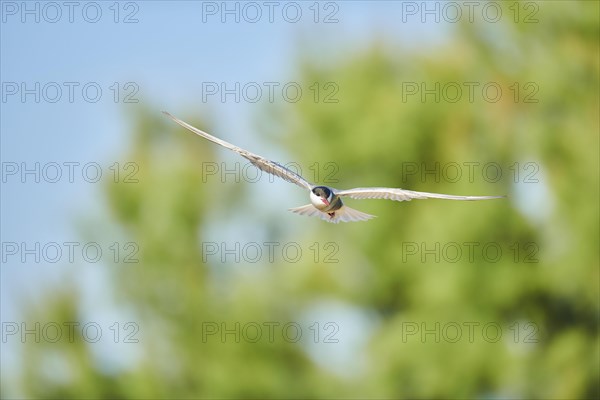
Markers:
(344, 214)
(404, 195)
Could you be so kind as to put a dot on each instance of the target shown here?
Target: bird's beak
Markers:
(325, 201)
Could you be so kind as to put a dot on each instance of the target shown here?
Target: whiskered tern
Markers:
(326, 202)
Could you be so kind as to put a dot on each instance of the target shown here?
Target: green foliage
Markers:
(371, 134)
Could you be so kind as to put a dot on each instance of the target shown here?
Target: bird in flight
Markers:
(326, 202)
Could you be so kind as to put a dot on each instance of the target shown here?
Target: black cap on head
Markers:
(322, 191)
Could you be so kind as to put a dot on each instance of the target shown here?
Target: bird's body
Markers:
(326, 202)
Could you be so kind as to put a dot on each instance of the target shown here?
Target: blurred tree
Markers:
(372, 133)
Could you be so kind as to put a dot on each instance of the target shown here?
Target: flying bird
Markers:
(326, 202)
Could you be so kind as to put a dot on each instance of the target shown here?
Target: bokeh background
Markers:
(187, 300)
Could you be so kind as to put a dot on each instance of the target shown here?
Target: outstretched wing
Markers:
(403, 195)
(270, 167)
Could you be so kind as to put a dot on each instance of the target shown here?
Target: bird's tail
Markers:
(344, 214)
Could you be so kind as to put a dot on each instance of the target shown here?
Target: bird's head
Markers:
(321, 197)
